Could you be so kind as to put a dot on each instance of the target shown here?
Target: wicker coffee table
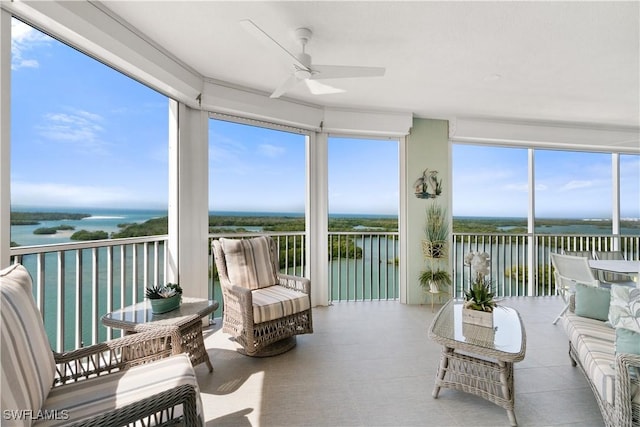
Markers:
(138, 318)
(479, 360)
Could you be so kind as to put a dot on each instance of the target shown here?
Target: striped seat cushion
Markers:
(249, 262)
(276, 302)
(577, 325)
(594, 342)
(598, 360)
(28, 367)
(88, 398)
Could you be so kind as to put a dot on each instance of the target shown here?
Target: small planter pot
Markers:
(437, 249)
(477, 317)
(163, 305)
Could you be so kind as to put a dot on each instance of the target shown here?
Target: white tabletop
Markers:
(615, 265)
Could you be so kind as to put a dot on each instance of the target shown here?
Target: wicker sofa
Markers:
(612, 377)
(140, 379)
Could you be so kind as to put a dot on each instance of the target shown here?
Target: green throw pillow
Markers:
(627, 341)
(592, 302)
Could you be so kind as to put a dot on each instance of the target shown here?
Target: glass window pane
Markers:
(255, 169)
(84, 137)
(630, 194)
(489, 181)
(363, 176)
(574, 187)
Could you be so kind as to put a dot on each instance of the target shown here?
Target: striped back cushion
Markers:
(249, 262)
(28, 368)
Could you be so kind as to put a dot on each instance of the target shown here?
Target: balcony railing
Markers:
(76, 283)
(510, 258)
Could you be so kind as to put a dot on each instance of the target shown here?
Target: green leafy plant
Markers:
(480, 297)
(436, 226)
(436, 276)
(166, 291)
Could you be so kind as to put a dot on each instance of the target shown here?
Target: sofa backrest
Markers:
(28, 367)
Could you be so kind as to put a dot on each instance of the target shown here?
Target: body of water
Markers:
(100, 219)
(109, 220)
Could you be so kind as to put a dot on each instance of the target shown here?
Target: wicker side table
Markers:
(188, 318)
(479, 360)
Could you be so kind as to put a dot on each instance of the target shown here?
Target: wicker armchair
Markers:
(263, 309)
(141, 379)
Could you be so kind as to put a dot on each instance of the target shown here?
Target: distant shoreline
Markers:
(100, 211)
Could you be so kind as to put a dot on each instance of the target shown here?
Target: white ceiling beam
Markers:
(89, 28)
(550, 135)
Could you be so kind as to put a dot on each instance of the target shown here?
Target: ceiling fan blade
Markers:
(317, 88)
(345, 71)
(270, 42)
(285, 87)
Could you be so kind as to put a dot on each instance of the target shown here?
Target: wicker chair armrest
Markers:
(572, 303)
(624, 380)
(116, 354)
(241, 297)
(144, 409)
(242, 294)
(298, 283)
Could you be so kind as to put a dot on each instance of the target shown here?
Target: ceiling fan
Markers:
(304, 71)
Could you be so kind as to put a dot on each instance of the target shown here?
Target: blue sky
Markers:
(84, 135)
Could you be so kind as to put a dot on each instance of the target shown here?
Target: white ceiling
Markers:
(549, 61)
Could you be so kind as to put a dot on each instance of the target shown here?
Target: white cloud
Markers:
(23, 39)
(522, 187)
(76, 126)
(576, 184)
(271, 151)
(56, 194)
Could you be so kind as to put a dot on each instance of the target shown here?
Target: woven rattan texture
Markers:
(260, 339)
(624, 412)
(188, 327)
(480, 369)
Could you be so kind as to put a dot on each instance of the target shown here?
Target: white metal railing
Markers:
(510, 258)
(362, 265)
(76, 283)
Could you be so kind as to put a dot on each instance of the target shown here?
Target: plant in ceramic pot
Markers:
(164, 298)
(434, 280)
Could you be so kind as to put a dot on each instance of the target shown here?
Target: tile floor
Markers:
(372, 364)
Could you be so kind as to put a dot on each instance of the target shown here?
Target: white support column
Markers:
(615, 202)
(317, 214)
(188, 261)
(5, 137)
(403, 220)
(531, 226)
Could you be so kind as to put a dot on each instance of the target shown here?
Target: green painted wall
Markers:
(427, 148)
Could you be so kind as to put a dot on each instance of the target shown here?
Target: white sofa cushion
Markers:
(594, 341)
(28, 367)
(276, 302)
(88, 398)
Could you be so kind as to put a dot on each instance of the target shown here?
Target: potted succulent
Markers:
(164, 298)
(479, 300)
